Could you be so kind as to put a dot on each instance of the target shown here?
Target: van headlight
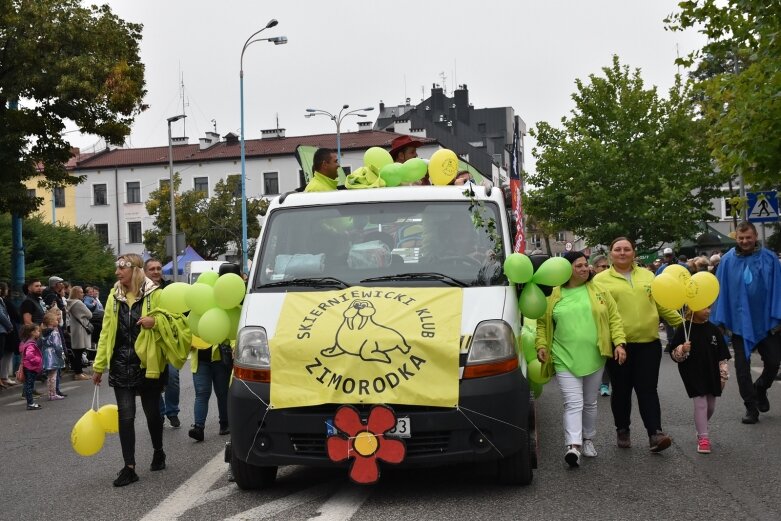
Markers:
(252, 348)
(492, 350)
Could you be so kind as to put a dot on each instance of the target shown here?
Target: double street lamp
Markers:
(276, 40)
(337, 118)
(171, 191)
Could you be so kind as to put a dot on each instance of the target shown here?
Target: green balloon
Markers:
(192, 321)
(553, 272)
(392, 174)
(518, 268)
(377, 157)
(536, 389)
(214, 326)
(173, 297)
(208, 277)
(534, 372)
(200, 298)
(234, 315)
(532, 301)
(527, 344)
(229, 291)
(413, 170)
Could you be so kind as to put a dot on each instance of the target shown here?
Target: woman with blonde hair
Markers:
(127, 311)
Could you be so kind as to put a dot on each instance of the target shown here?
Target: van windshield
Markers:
(418, 243)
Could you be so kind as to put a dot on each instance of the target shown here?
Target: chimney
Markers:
(363, 126)
(437, 98)
(272, 133)
(178, 141)
(382, 107)
(463, 107)
(211, 139)
(231, 139)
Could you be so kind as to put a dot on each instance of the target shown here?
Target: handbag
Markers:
(89, 328)
(20, 374)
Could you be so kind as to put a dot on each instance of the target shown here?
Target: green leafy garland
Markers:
(480, 222)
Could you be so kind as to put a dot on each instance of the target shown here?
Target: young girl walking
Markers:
(32, 361)
(53, 352)
(702, 363)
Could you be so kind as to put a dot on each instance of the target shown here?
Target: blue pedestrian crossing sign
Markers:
(762, 207)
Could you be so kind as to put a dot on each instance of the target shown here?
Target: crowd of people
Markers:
(605, 320)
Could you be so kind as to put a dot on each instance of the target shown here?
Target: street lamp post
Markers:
(277, 40)
(337, 118)
(171, 190)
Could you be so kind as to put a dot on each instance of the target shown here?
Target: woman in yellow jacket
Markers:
(577, 334)
(630, 287)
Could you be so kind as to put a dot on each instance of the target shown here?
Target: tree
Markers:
(74, 253)
(209, 224)
(61, 62)
(625, 163)
(738, 87)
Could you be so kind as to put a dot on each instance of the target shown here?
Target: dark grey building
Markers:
(483, 137)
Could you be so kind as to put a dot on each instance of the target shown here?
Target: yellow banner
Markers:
(367, 345)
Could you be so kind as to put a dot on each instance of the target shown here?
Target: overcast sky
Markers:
(519, 53)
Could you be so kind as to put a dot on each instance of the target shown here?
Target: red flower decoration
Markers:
(365, 443)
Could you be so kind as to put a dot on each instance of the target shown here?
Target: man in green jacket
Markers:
(326, 171)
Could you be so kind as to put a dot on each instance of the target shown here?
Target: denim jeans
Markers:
(210, 374)
(29, 385)
(169, 404)
(126, 405)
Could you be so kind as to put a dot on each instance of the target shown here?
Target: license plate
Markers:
(403, 428)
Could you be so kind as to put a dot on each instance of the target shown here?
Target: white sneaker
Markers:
(588, 449)
(572, 457)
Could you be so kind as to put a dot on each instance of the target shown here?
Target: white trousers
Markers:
(580, 405)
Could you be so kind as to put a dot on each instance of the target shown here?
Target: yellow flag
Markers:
(367, 345)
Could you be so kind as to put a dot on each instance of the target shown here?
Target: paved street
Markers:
(43, 478)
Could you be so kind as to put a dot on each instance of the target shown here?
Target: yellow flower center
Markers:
(365, 443)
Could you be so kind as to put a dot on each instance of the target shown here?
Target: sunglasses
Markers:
(121, 263)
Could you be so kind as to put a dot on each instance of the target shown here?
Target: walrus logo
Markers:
(366, 338)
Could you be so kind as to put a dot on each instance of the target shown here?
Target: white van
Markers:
(391, 296)
(195, 268)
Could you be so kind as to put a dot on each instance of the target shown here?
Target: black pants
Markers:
(76, 365)
(640, 372)
(126, 405)
(770, 351)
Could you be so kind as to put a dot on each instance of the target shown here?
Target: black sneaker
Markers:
(174, 420)
(763, 404)
(158, 461)
(224, 429)
(196, 433)
(126, 476)
(751, 416)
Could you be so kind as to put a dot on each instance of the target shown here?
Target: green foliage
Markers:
(739, 83)
(209, 224)
(626, 162)
(480, 222)
(62, 63)
(74, 253)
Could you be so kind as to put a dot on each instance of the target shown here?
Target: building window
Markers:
(201, 184)
(99, 196)
(561, 236)
(31, 193)
(133, 190)
(234, 180)
(271, 183)
(301, 179)
(535, 239)
(481, 128)
(59, 197)
(134, 232)
(102, 231)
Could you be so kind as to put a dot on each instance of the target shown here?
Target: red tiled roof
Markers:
(223, 150)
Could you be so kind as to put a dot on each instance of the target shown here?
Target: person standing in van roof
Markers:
(577, 334)
(325, 171)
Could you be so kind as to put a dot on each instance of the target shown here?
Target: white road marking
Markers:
(181, 500)
(273, 508)
(344, 504)
(215, 495)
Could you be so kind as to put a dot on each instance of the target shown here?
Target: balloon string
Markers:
(96, 398)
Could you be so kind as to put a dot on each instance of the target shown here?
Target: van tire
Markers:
(251, 477)
(517, 468)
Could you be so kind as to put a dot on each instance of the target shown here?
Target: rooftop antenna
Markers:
(214, 124)
(184, 104)
(444, 84)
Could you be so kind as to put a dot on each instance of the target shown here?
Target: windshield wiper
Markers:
(447, 279)
(314, 282)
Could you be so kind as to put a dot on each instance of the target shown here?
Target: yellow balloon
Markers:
(443, 167)
(199, 343)
(108, 415)
(87, 436)
(680, 272)
(668, 291)
(702, 290)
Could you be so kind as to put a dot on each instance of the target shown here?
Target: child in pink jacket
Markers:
(32, 361)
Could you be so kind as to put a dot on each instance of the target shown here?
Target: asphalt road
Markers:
(42, 478)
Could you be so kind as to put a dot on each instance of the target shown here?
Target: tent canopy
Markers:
(707, 239)
(188, 255)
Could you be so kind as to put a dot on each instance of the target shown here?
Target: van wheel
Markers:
(517, 469)
(251, 477)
